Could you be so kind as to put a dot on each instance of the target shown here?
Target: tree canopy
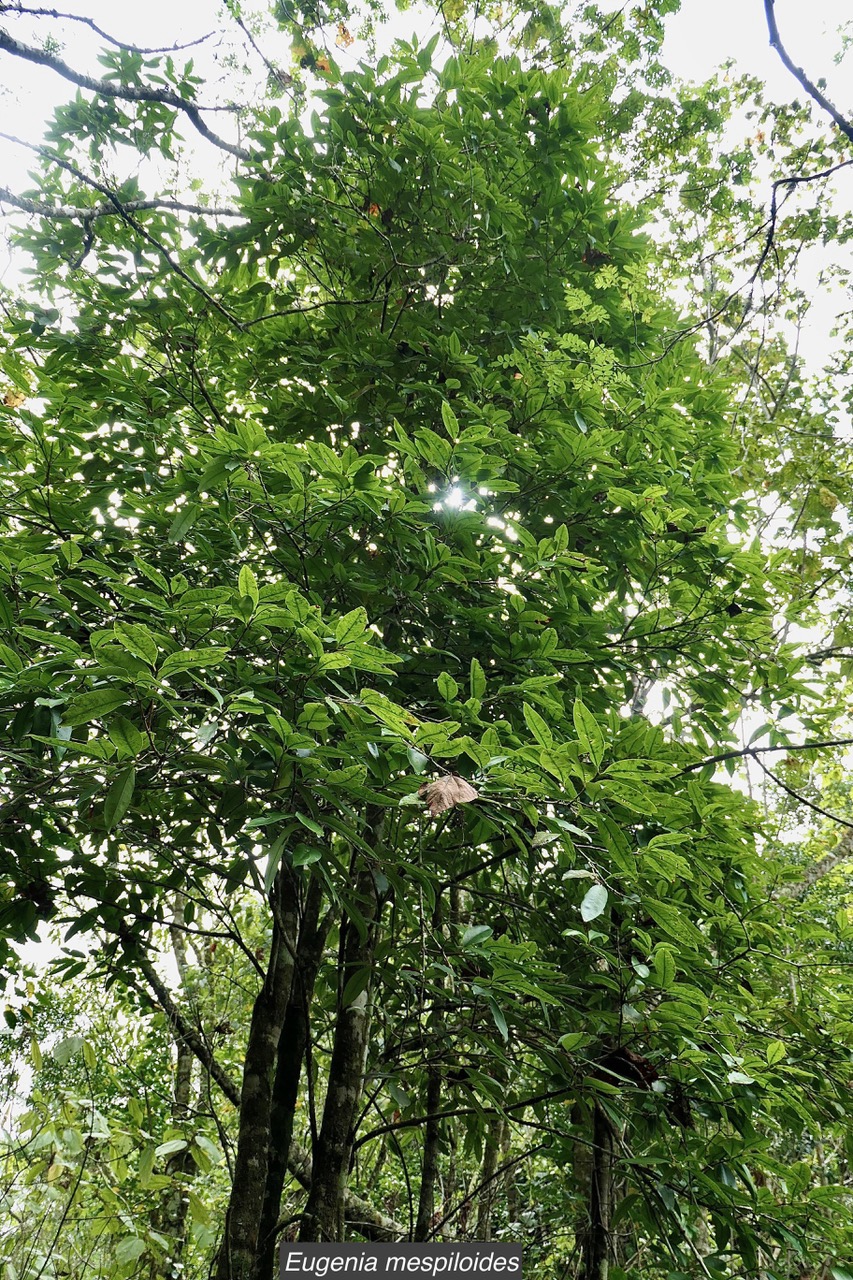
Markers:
(406, 519)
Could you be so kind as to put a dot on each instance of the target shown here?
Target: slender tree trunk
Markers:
(597, 1242)
(432, 1130)
(510, 1185)
(488, 1180)
(291, 1053)
(429, 1168)
(323, 1218)
(171, 1217)
(238, 1252)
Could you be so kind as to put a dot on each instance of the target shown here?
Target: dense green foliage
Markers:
(400, 467)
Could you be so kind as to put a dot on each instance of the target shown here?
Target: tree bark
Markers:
(432, 1129)
(323, 1218)
(488, 1180)
(429, 1167)
(238, 1251)
(596, 1244)
(171, 1217)
(291, 1052)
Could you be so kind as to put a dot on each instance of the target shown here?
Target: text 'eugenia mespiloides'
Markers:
(320, 1260)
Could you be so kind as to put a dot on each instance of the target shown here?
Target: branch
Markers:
(119, 44)
(280, 77)
(799, 74)
(754, 752)
(801, 799)
(359, 1214)
(184, 1029)
(453, 1112)
(842, 852)
(120, 209)
(70, 211)
(128, 93)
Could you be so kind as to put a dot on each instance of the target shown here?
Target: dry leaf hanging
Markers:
(446, 793)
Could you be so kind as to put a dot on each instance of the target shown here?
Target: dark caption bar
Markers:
(318, 1260)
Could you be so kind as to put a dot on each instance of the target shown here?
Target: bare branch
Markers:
(799, 74)
(18, 9)
(184, 1029)
(801, 799)
(743, 752)
(75, 212)
(127, 93)
(280, 77)
(842, 853)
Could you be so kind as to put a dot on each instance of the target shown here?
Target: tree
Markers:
(348, 524)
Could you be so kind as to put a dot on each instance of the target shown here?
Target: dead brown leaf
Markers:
(445, 793)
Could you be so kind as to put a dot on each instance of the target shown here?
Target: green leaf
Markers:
(125, 735)
(247, 584)
(128, 1249)
(274, 862)
(447, 687)
(674, 922)
(119, 797)
(664, 967)
(334, 661)
(305, 855)
(451, 422)
(739, 1077)
(66, 1049)
(475, 934)
(589, 732)
(595, 900)
(356, 985)
(477, 679)
(138, 640)
(499, 1019)
(777, 1051)
(573, 1040)
(184, 521)
(537, 726)
(310, 824)
(189, 659)
(351, 626)
(146, 1164)
(170, 1148)
(10, 658)
(93, 706)
(199, 1213)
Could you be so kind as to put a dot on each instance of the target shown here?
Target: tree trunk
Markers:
(291, 1053)
(171, 1218)
(238, 1252)
(488, 1180)
(429, 1167)
(432, 1131)
(323, 1218)
(596, 1244)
